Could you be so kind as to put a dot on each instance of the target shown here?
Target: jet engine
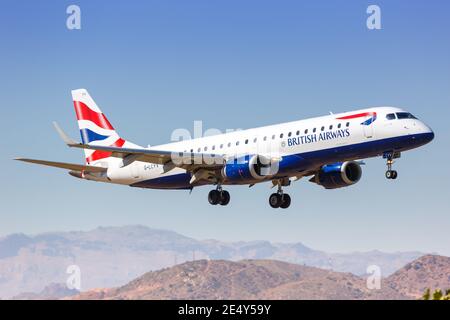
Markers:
(338, 175)
(249, 168)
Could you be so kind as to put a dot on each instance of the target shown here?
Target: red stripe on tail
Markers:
(85, 113)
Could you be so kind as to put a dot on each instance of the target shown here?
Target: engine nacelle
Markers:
(249, 168)
(338, 175)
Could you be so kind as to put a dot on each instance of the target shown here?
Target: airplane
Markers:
(328, 149)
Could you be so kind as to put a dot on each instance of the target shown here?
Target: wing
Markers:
(64, 165)
(171, 159)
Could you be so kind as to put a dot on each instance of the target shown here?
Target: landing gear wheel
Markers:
(394, 175)
(285, 201)
(275, 200)
(224, 198)
(214, 197)
(391, 174)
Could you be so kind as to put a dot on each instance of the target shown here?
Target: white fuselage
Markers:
(334, 137)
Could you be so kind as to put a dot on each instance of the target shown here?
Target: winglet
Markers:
(67, 140)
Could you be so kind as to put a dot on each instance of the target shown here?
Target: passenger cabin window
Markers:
(254, 140)
(281, 135)
(265, 138)
(229, 144)
(339, 125)
(289, 134)
(298, 132)
(221, 146)
(314, 130)
(323, 128)
(390, 116)
(273, 137)
(246, 141)
(237, 143)
(405, 115)
(347, 124)
(306, 131)
(331, 127)
(206, 148)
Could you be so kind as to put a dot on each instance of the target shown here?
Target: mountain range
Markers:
(270, 279)
(112, 256)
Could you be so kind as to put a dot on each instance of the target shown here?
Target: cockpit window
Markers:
(405, 115)
(390, 116)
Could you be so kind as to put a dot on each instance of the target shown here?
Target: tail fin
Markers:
(94, 127)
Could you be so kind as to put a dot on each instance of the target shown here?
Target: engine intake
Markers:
(338, 175)
(249, 168)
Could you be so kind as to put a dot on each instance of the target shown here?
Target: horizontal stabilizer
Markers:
(64, 165)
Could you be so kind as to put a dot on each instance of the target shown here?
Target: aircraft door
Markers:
(368, 127)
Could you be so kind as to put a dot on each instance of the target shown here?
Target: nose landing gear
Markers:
(390, 156)
(391, 174)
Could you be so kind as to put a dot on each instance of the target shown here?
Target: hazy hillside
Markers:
(53, 291)
(247, 279)
(112, 256)
(429, 271)
(269, 279)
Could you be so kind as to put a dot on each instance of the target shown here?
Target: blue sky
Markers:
(154, 66)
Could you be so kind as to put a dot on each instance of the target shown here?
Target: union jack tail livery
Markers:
(95, 129)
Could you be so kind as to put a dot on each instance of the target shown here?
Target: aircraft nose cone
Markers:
(430, 136)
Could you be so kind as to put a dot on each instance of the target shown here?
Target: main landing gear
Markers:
(390, 156)
(280, 199)
(219, 196)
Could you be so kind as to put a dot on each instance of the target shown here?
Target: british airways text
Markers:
(310, 138)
